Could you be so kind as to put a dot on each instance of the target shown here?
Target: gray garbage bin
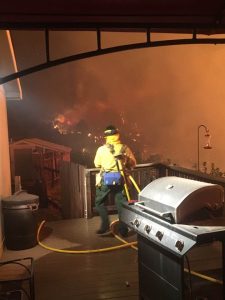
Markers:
(20, 220)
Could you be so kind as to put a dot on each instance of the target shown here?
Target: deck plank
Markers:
(98, 276)
(103, 275)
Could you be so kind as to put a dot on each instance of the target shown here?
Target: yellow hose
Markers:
(211, 279)
(125, 180)
(119, 238)
(135, 184)
(204, 277)
(125, 245)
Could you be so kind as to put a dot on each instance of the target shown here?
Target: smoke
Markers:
(161, 95)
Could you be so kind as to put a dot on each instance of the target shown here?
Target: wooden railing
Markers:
(143, 174)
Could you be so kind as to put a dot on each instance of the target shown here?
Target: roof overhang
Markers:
(8, 65)
(191, 17)
(39, 143)
(203, 16)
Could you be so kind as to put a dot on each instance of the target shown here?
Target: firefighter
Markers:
(114, 159)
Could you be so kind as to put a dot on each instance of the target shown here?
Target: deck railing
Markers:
(143, 174)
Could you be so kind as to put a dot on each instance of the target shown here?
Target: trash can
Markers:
(20, 212)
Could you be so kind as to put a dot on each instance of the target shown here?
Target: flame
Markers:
(79, 122)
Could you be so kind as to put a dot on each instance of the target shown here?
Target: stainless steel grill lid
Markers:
(182, 199)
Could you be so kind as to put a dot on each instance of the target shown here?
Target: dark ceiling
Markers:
(194, 17)
(203, 16)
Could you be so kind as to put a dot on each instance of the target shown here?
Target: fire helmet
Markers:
(110, 130)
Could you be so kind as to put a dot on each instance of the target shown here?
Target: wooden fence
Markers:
(72, 190)
(78, 185)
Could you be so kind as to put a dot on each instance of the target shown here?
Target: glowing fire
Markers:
(88, 140)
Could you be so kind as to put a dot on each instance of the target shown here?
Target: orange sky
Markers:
(167, 91)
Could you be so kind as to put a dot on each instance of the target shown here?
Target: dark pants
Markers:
(102, 193)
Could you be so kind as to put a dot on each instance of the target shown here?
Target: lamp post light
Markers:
(208, 136)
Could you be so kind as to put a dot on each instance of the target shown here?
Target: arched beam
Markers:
(104, 51)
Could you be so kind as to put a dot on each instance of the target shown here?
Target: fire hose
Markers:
(125, 243)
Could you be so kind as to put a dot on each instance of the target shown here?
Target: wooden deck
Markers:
(59, 276)
(104, 275)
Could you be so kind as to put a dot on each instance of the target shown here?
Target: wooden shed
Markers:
(36, 163)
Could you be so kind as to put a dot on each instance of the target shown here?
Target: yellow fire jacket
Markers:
(105, 155)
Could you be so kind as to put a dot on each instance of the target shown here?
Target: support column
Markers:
(5, 176)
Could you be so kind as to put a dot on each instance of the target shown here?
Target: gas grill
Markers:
(171, 216)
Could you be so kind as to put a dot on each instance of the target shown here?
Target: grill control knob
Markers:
(159, 235)
(136, 222)
(179, 245)
(147, 228)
